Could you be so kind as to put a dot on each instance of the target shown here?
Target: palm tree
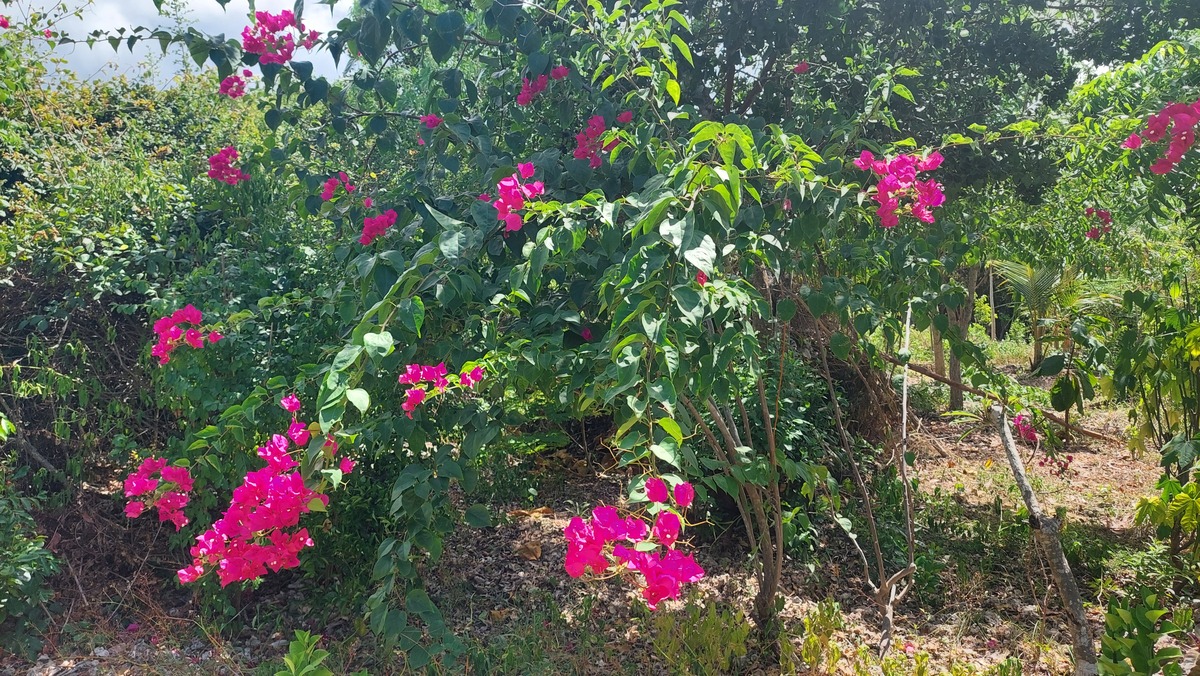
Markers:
(1040, 289)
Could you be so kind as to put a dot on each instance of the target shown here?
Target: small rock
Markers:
(100, 652)
(281, 643)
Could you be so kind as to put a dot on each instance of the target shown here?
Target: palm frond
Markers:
(1035, 285)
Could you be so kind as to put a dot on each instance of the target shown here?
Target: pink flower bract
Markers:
(656, 490)
(684, 494)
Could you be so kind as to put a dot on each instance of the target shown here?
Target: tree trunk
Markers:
(939, 351)
(992, 300)
(1045, 533)
(960, 321)
(1037, 340)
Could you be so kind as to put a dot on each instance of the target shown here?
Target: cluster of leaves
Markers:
(25, 566)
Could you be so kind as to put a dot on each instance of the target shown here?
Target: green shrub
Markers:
(25, 566)
(701, 639)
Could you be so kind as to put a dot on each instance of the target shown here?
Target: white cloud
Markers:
(206, 16)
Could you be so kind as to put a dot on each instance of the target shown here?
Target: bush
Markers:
(25, 567)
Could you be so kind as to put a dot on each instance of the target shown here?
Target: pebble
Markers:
(101, 652)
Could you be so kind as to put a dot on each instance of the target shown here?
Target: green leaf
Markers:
(672, 428)
(378, 345)
(840, 344)
(360, 398)
(478, 516)
(419, 603)
(412, 314)
(1052, 365)
(785, 310)
(673, 91)
(668, 452)
(1063, 394)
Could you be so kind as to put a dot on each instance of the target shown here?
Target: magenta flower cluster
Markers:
(512, 195)
(234, 86)
(1178, 120)
(331, 185)
(416, 376)
(1023, 424)
(635, 545)
(1105, 218)
(258, 531)
(272, 37)
(172, 334)
(220, 167)
(531, 88)
(167, 492)
(588, 142)
(898, 184)
(374, 226)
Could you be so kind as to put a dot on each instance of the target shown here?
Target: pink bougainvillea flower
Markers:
(530, 89)
(133, 627)
(431, 121)
(220, 167)
(420, 141)
(48, 33)
(667, 527)
(608, 524)
(233, 86)
(1092, 233)
(559, 72)
(471, 378)
(375, 226)
(298, 433)
(586, 333)
(930, 162)
(1176, 120)
(413, 399)
(3, 22)
(1025, 428)
(701, 278)
(214, 336)
(787, 204)
(346, 465)
(274, 36)
(656, 490)
(171, 335)
(684, 494)
(585, 549)
(180, 476)
(331, 185)
(588, 144)
(801, 68)
(368, 202)
(134, 509)
(290, 403)
(512, 196)
(625, 117)
(194, 338)
(898, 181)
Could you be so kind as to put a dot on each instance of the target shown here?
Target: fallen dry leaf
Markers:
(532, 513)
(530, 550)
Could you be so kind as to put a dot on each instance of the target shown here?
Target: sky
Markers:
(206, 16)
